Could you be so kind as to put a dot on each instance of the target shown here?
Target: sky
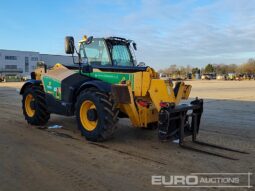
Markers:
(167, 32)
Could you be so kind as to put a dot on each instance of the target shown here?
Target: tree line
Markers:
(221, 69)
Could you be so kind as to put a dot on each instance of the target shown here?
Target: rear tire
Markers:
(38, 113)
(102, 124)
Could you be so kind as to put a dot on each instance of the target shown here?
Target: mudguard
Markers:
(100, 85)
(29, 83)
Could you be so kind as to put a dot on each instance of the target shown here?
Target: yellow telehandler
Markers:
(107, 84)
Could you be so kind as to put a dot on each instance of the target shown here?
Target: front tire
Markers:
(95, 114)
(34, 106)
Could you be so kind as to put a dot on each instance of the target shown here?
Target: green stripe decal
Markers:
(111, 77)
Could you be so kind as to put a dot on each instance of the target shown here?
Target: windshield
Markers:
(95, 52)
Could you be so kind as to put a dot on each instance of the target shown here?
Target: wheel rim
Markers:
(86, 123)
(30, 112)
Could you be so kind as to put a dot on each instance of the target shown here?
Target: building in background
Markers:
(22, 63)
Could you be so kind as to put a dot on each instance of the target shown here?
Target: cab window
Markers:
(95, 52)
(121, 55)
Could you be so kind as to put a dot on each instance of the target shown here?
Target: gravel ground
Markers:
(35, 159)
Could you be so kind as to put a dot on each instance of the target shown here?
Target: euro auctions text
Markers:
(226, 180)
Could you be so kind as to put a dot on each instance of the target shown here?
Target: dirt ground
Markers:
(34, 159)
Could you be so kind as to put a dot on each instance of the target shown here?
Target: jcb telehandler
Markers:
(107, 84)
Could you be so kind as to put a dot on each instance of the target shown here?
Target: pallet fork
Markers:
(184, 120)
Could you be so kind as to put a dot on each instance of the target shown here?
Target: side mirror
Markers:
(69, 45)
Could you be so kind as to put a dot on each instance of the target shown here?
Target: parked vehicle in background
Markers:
(189, 76)
(174, 77)
(25, 78)
(13, 78)
(205, 77)
(208, 76)
(240, 77)
(164, 76)
(178, 77)
(221, 77)
(231, 76)
(249, 77)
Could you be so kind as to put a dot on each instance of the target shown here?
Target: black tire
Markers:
(41, 114)
(107, 115)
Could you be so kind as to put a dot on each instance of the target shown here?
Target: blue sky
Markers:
(189, 32)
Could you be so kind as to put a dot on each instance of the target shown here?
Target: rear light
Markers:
(164, 104)
(143, 103)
